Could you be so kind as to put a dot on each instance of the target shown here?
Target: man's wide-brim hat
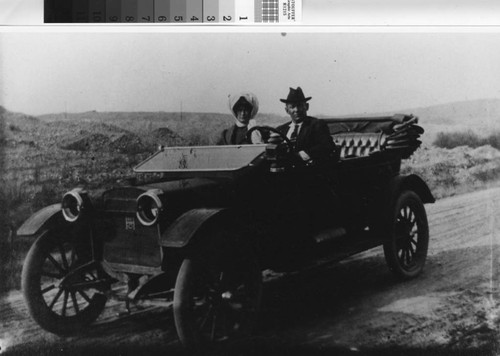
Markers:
(295, 96)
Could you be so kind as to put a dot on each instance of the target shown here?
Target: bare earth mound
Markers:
(166, 137)
(91, 142)
(127, 143)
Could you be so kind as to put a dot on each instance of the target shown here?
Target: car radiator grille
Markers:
(120, 205)
(130, 242)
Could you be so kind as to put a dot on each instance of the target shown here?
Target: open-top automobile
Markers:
(198, 233)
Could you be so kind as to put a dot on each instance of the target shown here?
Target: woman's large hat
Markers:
(247, 97)
(295, 96)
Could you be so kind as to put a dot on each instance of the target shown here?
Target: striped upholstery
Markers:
(359, 144)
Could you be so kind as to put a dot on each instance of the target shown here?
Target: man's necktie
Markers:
(293, 136)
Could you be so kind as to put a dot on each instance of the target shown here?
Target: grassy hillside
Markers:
(455, 171)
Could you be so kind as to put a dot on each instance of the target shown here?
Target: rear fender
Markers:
(414, 183)
(182, 230)
(43, 219)
(382, 218)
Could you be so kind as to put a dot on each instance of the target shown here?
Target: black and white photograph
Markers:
(245, 191)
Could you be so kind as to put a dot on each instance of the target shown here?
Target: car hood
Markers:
(196, 190)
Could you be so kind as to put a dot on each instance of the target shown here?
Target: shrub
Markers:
(486, 174)
(46, 196)
(14, 128)
(196, 139)
(13, 193)
(455, 139)
(466, 138)
(494, 140)
(444, 174)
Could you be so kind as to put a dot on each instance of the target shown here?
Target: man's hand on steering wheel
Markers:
(275, 136)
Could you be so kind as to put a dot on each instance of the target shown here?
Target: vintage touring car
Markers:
(198, 236)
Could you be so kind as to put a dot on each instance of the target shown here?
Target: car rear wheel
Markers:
(406, 251)
(60, 281)
(216, 302)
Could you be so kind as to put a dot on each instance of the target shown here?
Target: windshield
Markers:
(201, 159)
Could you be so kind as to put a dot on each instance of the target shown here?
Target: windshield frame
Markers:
(202, 159)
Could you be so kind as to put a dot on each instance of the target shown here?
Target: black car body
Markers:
(198, 235)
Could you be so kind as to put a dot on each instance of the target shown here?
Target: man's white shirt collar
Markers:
(292, 127)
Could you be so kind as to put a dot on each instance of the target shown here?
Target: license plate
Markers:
(129, 223)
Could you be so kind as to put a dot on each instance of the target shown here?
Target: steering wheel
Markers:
(271, 129)
(295, 158)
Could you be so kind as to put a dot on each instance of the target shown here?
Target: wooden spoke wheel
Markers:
(406, 251)
(214, 302)
(61, 283)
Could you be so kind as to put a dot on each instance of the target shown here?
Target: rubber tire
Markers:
(38, 308)
(410, 199)
(184, 288)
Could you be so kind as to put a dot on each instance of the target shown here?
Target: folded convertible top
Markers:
(369, 124)
(397, 134)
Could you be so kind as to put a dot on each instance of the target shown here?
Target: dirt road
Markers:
(352, 308)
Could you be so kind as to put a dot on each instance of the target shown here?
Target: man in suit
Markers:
(243, 106)
(310, 136)
(313, 145)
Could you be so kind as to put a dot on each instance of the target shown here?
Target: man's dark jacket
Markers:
(313, 138)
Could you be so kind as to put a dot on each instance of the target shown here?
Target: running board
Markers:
(329, 235)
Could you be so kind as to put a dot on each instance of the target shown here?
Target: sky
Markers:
(345, 73)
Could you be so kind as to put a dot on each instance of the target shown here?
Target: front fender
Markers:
(182, 230)
(44, 218)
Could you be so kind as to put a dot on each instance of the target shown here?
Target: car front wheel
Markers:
(60, 283)
(216, 302)
(406, 251)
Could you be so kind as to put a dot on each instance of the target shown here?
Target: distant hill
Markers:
(481, 116)
(9, 117)
(203, 128)
(472, 112)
